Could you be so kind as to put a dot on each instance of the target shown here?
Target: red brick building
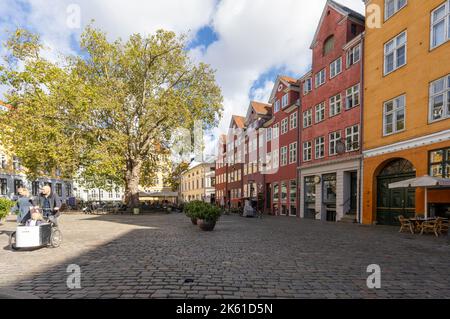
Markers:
(222, 172)
(235, 159)
(331, 117)
(281, 191)
(255, 151)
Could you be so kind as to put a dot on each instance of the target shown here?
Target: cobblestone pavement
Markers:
(165, 256)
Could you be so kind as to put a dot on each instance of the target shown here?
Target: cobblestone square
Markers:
(165, 256)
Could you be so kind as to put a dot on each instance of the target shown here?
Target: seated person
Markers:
(36, 217)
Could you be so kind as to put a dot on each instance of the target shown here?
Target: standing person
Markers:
(50, 204)
(23, 206)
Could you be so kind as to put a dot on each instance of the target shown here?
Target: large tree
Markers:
(108, 114)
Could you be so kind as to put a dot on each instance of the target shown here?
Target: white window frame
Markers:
(307, 118)
(396, 109)
(321, 77)
(319, 109)
(275, 132)
(445, 92)
(334, 70)
(445, 19)
(293, 153)
(284, 126)
(351, 53)
(276, 158)
(395, 47)
(269, 134)
(397, 8)
(307, 151)
(307, 86)
(285, 101)
(353, 92)
(334, 138)
(284, 156)
(276, 106)
(349, 147)
(319, 144)
(293, 121)
(335, 102)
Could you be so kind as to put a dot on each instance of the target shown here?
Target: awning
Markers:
(424, 181)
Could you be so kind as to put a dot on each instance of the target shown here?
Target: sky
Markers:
(248, 42)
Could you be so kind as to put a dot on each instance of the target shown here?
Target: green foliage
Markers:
(202, 210)
(5, 207)
(175, 176)
(107, 116)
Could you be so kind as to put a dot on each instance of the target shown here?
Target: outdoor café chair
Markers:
(432, 226)
(444, 226)
(405, 224)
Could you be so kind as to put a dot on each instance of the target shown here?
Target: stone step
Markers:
(349, 219)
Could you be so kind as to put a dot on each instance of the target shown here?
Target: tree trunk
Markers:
(132, 184)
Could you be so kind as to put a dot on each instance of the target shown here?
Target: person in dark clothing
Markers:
(50, 204)
(23, 206)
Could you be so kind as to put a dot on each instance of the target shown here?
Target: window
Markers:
(294, 120)
(293, 153)
(329, 188)
(335, 105)
(284, 192)
(16, 163)
(310, 189)
(335, 137)
(35, 186)
(307, 118)
(440, 99)
(307, 151)
(277, 106)
(320, 147)
(285, 101)
(3, 161)
(3, 186)
(276, 159)
(335, 67)
(17, 184)
(320, 78)
(352, 97)
(276, 193)
(440, 163)
(394, 115)
(275, 132)
(353, 55)
(320, 112)
(307, 86)
(352, 138)
(440, 25)
(328, 45)
(269, 134)
(284, 126)
(293, 197)
(393, 6)
(284, 155)
(395, 53)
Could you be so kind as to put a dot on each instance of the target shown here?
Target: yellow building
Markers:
(198, 183)
(406, 106)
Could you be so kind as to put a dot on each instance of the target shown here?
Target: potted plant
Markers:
(5, 208)
(191, 209)
(208, 216)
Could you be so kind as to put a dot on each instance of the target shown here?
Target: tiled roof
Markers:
(261, 108)
(288, 79)
(239, 120)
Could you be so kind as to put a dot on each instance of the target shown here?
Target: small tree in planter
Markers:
(191, 210)
(5, 207)
(208, 216)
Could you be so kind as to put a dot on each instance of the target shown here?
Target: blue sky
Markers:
(248, 42)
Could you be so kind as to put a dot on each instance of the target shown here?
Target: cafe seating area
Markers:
(420, 225)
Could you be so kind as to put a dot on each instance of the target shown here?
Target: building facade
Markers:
(407, 103)
(255, 152)
(235, 160)
(198, 183)
(331, 118)
(282, 136)
(221, 185)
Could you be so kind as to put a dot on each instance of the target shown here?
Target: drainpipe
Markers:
(361, 121)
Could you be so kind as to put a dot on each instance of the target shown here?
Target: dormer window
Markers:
(307, 86)
(285, 101)
(277, 106)
(328, 45)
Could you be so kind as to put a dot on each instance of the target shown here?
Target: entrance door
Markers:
(392, 203)
(353, 192)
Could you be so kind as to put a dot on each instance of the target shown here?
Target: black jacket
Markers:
(55, 201)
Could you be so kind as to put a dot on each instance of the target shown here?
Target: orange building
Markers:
(407, 106)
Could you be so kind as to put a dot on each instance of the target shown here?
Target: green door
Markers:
(392, 203)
